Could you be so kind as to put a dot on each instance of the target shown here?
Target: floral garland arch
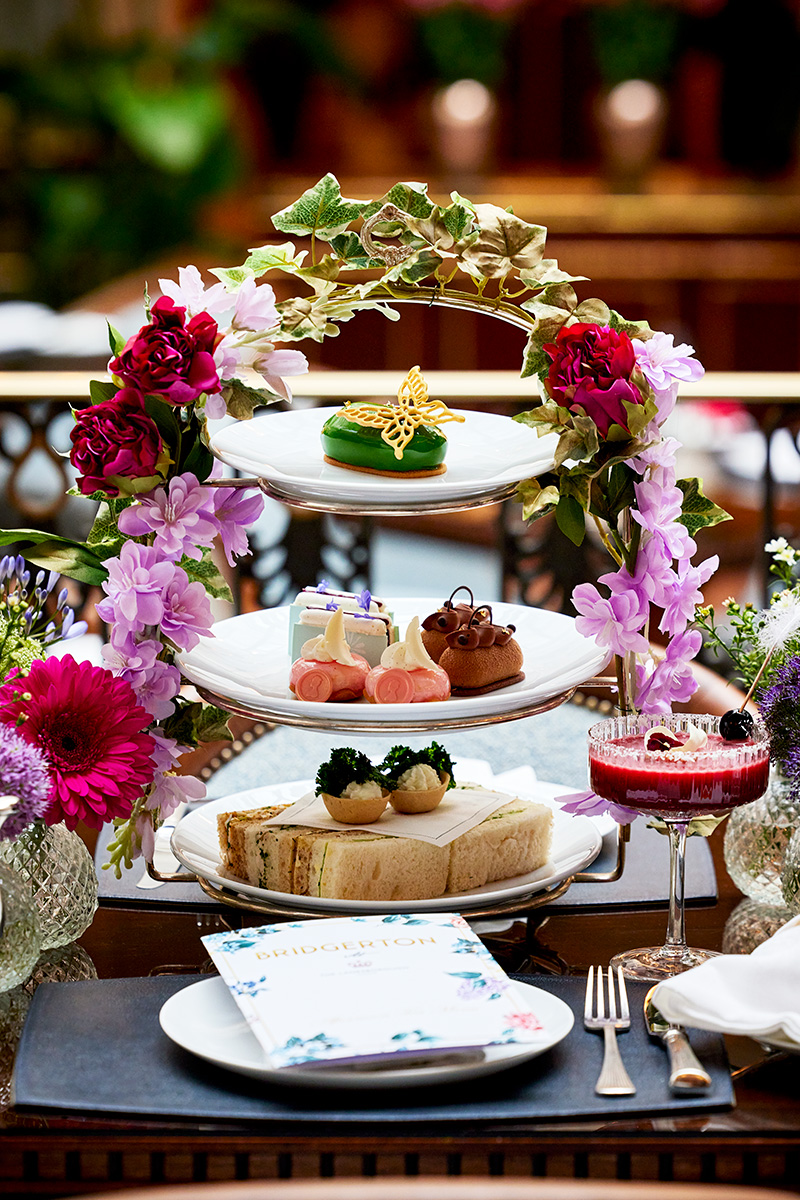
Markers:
(604, 385)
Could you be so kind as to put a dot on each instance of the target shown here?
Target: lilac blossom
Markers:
(157, 689)
(234, 510)
(589, 804)
(616, 622)
(672, 679)
(135, 587)
(187, 611)
(130, 658)
(182, 518)
(665, 366)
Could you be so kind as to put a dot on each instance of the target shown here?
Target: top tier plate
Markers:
(487, 456)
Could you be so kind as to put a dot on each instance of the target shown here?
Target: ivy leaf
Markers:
(279, 257)
(100, 390)
(570, 519)
(504, 242)
(535, 499)
(411, 197)
(322, 211)
(115, 339)
(207, 572)
(241, 400)
(548, 417)
(577, 442)
(422, 264)
(104, 537)
(211, 724)
(303, 317)
(548, 271)
(697, 511)
(350, 251)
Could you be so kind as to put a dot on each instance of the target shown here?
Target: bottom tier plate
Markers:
(576, 843)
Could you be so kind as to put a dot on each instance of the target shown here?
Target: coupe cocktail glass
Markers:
(674, 786)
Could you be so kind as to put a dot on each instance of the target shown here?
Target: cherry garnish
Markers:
(736, 725)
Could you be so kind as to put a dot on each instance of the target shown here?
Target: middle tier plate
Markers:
(245, 667)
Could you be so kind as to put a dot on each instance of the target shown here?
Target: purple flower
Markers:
(187, 611)
(672, 680)
(616, 622)
(157, 689)
(182, 518)
(658, 505)
(25, 778)
(589, 804)
(665, 365)
(684, 595)
(129, 658)
(135, 587)
(234, 510)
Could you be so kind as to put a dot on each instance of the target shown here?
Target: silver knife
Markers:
(685, 1072)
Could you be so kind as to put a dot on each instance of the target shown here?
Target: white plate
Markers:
(205, 1020)
(484, 453)
(247, 663)
(195, 843)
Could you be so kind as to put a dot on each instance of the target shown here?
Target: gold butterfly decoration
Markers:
(399, 422)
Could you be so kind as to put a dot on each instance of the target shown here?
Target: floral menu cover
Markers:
(370, 988)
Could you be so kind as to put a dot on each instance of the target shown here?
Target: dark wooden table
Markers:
(757, 1142)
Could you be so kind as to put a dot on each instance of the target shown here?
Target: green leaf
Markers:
(115, 339)
(618, 494)
(99, 391)
(321, 211)
(242, 400)
(535, 499)
(570, 519)
(73, 559)
(104, 536)
(199, 461)
(278, 257)
(197, 722)
(697, 827)
(350, 251)
(206, 571)
(697, 511)
(163, 417)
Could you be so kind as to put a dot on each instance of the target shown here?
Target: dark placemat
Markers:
(645, 879)
(96, 1046)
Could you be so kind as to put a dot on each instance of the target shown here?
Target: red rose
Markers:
(116, 447)
(169, 358)
(590, 370)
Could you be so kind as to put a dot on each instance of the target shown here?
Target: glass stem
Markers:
(676, 921)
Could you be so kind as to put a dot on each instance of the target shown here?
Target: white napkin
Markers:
(756, 994)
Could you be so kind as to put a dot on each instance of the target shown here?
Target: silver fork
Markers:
(614, 1079)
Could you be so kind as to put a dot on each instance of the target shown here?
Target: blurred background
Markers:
(657, 139)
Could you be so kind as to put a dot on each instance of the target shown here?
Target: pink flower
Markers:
(590, 372)
(191, 293)
(187, 611)
(235, 509)
(616, 622)
(181, 517)
(519, 1020)
(135, 588)
(170, 358)
(92, 733)
(116, 447)
(672, 680)
(274, 365)
(589, 804)
(254, 306)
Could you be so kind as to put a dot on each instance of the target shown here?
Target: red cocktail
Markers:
(688, 771)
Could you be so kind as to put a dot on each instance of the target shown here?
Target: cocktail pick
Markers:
(778, 624)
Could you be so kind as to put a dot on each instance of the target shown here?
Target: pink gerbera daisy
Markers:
(90, 729)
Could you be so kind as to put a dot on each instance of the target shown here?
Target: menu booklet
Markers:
(368, 990)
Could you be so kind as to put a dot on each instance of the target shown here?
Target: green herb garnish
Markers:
(346, 766)
(401, 758)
